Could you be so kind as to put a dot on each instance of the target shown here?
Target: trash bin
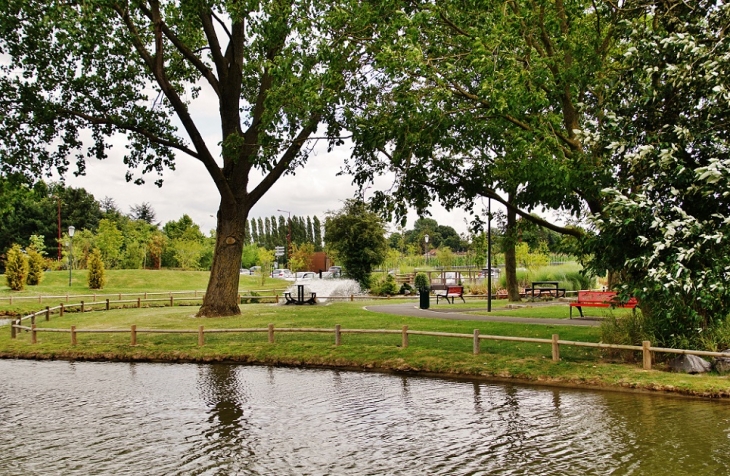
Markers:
(424, 296)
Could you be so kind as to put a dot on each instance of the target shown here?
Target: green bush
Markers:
(384, 286)
(405, 289)
(16, 268)
(36, 265)
(97, 274)
(421, 282)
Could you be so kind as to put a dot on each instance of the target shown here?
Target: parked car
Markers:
(245, 272)
(254, 269)
(336, 271)
(281, 273)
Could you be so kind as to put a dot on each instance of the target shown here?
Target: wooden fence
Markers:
(143, 295)
(555, 342)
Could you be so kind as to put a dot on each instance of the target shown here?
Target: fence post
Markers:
(139, 302)
(277, 299)
(404, 337)
(39, 298)
(134, 335)
(201, 335)
(120, 296)
(33, 337)
(107, 304)
(352, 297)
(82, 306)
(60, 312)
(73, 335)
(11, 300)
(476, 342)
(171, 301)
(271, 333)
(647, 355)
(13, 330)
(94, 297)
(48, 313)
(338, 335)
(32, 319)
(556, 348)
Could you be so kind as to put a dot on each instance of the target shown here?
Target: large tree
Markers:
(77, 74)
(477, 100)
(667, 226)
(356, 236)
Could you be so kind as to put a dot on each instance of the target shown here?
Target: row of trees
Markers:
(615, 112)
(272, 232)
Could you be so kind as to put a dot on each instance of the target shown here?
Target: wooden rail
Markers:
(144, 295)
(17, 325)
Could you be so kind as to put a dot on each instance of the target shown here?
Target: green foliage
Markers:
(357, 235)
(187, 253)
(421, 283)
(265, 260)
(96, 277)
(16, 268)
(384, 286)
(300, 257)
(666, 227)
(250, 256)
(109, 241)
(36, 266)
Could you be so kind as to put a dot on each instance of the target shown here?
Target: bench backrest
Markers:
(608, 297)
(455, 290)
(596, 296)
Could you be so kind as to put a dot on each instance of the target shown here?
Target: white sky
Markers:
(314, 190)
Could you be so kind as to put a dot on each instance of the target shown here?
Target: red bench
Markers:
(450, 292)
(600, 299)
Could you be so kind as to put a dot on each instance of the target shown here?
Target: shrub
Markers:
(405, 289)
(421, 282)
(384, 286)
(36, 265)
(628, 330)
(97, 275)
(16, 268)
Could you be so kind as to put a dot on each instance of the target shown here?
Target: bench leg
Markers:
(462, 299)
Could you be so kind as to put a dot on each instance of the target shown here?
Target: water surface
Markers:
(116, 418)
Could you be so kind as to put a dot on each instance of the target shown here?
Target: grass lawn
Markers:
(439, 355)
(429, 354)
(551, 310)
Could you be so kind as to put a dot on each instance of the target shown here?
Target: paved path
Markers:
(412, 310)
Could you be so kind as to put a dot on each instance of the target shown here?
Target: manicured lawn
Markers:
(434, 354)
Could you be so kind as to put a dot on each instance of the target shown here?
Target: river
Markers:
(170, 419)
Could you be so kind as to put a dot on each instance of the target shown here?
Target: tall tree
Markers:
(144, 212)
(317, 233)
(667, 230)
(357, 236)
(112, 67)
(475, 98)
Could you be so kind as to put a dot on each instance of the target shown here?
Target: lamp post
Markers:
(71, 231)
(489, 256)
(425, 239)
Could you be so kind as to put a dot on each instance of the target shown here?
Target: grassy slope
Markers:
(425, 354)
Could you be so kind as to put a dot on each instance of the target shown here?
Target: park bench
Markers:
(449, 292)
(600, 299)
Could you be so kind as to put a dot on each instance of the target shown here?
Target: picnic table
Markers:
(300, 299)
(545, 287)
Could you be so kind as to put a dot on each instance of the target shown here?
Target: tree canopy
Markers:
(356, 236)
(78, 74)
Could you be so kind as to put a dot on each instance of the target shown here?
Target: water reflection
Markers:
(85, 418)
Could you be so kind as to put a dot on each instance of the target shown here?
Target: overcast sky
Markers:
(314, 190)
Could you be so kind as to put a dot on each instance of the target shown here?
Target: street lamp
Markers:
(71, 231)
(425, 239)
(489, 256)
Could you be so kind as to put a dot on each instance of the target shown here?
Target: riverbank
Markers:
(425, 355)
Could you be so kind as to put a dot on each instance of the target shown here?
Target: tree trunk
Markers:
(221, 297)
(510, 257)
